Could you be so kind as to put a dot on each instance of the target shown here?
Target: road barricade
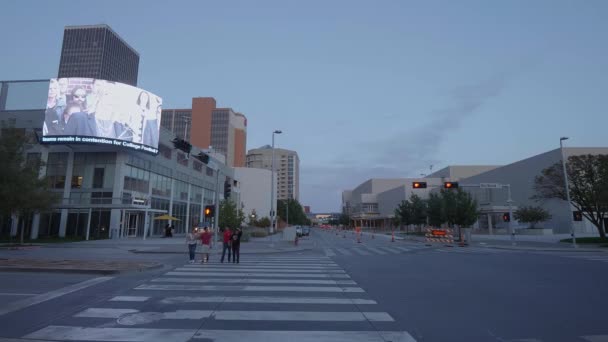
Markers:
(439, 235)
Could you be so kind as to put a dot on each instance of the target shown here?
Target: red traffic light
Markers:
(419, 185)
(506, 217)
(450, 185)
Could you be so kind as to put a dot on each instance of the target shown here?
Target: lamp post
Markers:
(561, 147)
(273, 213)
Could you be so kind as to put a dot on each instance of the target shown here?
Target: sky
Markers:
(360, 89)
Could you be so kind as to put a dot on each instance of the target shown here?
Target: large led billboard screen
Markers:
(93, 111)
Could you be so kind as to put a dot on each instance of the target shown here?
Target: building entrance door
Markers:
(132, 222)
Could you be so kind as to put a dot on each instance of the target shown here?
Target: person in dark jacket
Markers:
(236, 245)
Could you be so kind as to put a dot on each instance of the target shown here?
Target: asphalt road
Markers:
(340, 290)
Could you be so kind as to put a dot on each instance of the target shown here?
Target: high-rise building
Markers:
(287, 168)
(96, 51)
(207, 126)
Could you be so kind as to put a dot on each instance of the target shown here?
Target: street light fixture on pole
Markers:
(273, 213)
(561, 147)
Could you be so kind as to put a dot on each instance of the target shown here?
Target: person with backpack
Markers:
(227, 243)
(191, 239)
(236, 245)
(205, 244)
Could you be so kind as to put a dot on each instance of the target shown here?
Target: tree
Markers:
(229, 216)
(532, 215)
(435, 209)
(418, 210)
(587, 182)
(22, 190)
(263, 222)
(403, 213)
(344, 219)
(296, 212)
(466, 209)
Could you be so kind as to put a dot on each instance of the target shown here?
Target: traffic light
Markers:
(227, 189)
(450, 185)
(577, 215)
(209, 211)
(419, 185)
(506, 217)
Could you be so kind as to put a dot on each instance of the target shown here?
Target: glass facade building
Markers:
(97, 52)
(107, 191)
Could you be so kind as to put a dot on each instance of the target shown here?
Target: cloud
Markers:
(402, 154)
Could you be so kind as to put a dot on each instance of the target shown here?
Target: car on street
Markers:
(305, 231)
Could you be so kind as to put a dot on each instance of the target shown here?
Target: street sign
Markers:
(490, 185)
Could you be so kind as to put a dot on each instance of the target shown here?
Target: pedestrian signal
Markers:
(450, 185)
(209, 210)
(578, 216)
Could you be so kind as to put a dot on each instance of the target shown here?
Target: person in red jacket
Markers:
(206, 244)
(227, 243)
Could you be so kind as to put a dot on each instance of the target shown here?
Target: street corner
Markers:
(76, 266)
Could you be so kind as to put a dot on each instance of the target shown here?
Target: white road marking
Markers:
(264, 275)
(66, 333)
(17, 294)
(240, 315)
(360, 251)
(249, 288)
(129, 299)
(329, 252)
(318, 316)
(255, 281)
(27, 302)
(303, 336)
(270, 300)
(344, 251)
(375, 250)
(252, 270)
(253, 267)
(402, 248)
(391, 250)
(104, 312)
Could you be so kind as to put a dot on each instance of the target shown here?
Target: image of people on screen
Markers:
(92, 107)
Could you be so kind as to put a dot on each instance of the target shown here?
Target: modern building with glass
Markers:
(108, 191)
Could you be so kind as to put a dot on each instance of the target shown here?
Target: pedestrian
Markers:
(227, 243)
(236, 245)
(205, 244)
(191, 239)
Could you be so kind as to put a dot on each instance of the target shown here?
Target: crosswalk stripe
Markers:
(129, 299)
(596, 338)
(391, 250)
(240, 315)
(261, 274)
(303, 336)
(360, 251)
(329, 252)
(375, 250)
(269, 300)
(239, 266)
(254, 281)
(402, 248)
(344, 251)
(68, 333)
(251, 270)
(276, 264)
(171, 287)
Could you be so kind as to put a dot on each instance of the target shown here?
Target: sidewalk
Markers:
(75, 266)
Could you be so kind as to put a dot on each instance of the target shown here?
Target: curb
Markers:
(78, 270)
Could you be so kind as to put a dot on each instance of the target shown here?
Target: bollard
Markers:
(393, 237)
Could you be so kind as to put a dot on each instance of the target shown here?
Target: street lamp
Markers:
(561, 147)
(272, 200)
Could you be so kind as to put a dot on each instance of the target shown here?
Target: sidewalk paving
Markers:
(75, 266)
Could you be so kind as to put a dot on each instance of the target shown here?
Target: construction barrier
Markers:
(439, 235)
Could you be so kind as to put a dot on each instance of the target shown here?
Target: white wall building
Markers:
(254, 190)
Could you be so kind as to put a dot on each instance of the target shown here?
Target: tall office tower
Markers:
(96, 51)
